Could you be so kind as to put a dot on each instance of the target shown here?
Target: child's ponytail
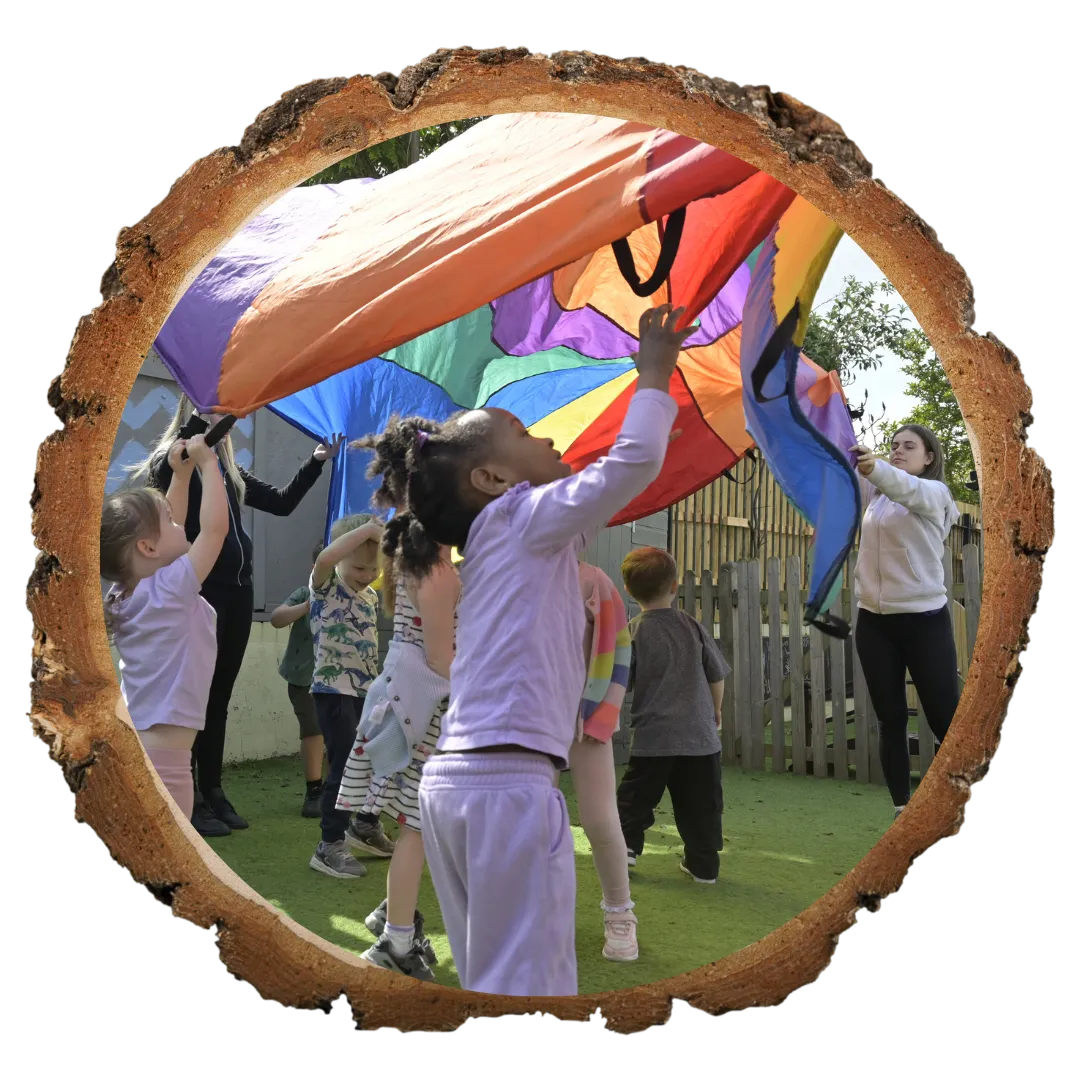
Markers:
(424, 467)
(408, 547)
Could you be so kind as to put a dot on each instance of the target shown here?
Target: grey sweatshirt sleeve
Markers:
(927, 498)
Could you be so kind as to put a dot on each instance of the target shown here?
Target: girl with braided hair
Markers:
(402, 717)
(496, 831)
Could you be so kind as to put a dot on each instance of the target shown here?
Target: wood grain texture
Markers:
(74, 690)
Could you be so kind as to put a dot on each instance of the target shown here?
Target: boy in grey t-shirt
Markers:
(296, 668)
(677, 674)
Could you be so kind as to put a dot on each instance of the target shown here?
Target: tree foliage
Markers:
(394, 154)
(856, 332)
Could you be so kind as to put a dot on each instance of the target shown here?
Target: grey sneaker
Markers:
(631, 858)
(334, 859)
(376, 923)
(412, 963)
(369, 839)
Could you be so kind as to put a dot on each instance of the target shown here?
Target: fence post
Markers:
(817, 702)
(838, 694)
(726, 618)
(797, 672)
(972, 595)
(862, 709)
(742, 679)
(757, 668)
(689, 603)
(776, 667)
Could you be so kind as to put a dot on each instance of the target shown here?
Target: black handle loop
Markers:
(829, 624)
(669, 248)
(770, 355)
(216, 433)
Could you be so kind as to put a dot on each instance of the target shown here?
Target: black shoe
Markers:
(223, 809)
(313, 802)
(205, 821)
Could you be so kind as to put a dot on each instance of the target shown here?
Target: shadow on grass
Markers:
(787, 840)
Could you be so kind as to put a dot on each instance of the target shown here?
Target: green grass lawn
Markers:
(787, 839)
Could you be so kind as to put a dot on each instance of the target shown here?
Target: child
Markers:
(495, 825)
(163, 629)
(592, 762)
(296, 668)
(343, 617)
(677, 675)
(400, 726)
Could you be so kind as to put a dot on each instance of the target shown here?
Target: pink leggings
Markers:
(174, 768)
(592, 768)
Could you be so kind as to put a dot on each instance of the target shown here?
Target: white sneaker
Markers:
(631, 858)
(620, 936)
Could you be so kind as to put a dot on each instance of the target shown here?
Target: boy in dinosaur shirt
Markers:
(343, 616)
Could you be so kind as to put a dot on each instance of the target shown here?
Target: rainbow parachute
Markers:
(510, 268)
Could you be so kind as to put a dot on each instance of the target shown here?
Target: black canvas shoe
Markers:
(205, 821)
(223, 809)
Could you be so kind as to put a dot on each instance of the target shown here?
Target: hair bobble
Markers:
(421, 439)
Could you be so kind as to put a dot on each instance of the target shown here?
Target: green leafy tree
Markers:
(937, 409)
(394, 154)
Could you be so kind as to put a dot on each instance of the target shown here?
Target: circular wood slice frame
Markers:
(74, 688)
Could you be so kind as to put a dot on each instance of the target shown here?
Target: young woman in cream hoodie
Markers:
(904, 622)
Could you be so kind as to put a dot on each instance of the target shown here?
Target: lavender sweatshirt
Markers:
(519, 669)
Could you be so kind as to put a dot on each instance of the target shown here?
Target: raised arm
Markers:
(345, 545)
(553, 515)
(927, 498)
(282, 501)
(213, 510)
(180, 482)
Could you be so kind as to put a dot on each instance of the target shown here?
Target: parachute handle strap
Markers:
(669, 248)
(771, 354)
(216, 433)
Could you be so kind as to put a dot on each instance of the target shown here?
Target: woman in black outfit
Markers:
(229, 590)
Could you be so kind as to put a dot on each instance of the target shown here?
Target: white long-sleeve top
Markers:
(906, 521)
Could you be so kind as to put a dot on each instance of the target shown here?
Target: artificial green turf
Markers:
(787, 839)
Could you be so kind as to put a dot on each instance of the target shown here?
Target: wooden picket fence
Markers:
(745, 515)
(805, 708)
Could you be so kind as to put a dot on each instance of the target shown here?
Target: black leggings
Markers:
(888, 646)
(234, 605)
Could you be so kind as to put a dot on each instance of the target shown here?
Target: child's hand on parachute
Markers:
(660, 346)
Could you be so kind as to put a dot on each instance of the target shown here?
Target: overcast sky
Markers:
(888, 382)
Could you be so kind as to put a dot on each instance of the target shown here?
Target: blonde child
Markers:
(496, 831)
(592, 760)
(343, 628)
(297, 668)
(163, 629)
(401, 724)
